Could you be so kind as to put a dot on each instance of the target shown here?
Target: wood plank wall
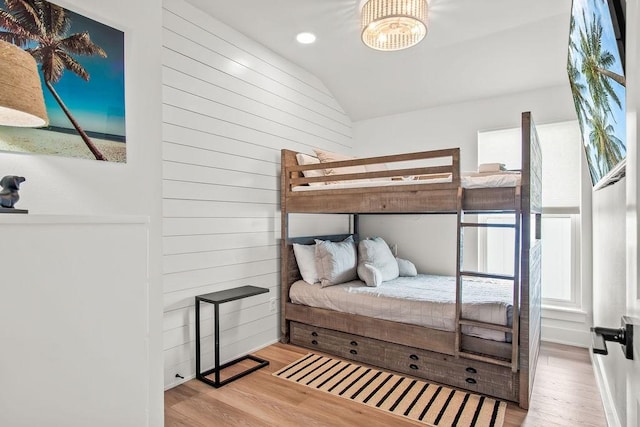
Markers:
(229, 106)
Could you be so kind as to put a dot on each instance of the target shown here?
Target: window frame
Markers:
(575, 282)
(575, 301)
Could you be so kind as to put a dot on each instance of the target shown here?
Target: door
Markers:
(633, 369)
(633, 206)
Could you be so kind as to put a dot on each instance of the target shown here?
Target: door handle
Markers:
(623, 336)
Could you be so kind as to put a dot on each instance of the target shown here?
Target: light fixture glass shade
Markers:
(21, 99)
(393, 24)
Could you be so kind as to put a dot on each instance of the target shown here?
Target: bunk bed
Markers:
(503, 369)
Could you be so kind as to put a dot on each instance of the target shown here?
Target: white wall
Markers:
(456, 125)
(229, 106)
(63, 186)
(74, 326)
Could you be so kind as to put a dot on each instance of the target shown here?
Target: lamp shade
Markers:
(393, 24)
(21, 99)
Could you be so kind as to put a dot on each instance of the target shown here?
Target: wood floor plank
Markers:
(173, 418)
(203, 410)
(184, 392)
(564, 394)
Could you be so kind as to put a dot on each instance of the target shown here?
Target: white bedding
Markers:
(489, 179)
(424, 300)
(467, 180)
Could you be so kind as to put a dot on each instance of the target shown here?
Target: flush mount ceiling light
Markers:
(306, 38)
(393, 24)
(21, 99)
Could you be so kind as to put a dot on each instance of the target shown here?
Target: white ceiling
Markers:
(474, 49)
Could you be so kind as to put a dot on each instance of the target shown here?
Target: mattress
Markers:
(467, 180)
(424, 300)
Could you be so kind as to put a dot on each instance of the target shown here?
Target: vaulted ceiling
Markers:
(474, 49)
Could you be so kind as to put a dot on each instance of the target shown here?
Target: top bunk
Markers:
(422, 182)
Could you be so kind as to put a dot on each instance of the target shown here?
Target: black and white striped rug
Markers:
(418, 400)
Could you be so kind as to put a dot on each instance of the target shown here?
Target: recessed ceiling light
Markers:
(306, 38)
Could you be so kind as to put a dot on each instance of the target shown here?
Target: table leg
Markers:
(217, 344)
(198, 375)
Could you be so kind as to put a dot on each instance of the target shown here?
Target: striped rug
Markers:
(431, 404)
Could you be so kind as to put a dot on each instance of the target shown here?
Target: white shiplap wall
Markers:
(229, 106)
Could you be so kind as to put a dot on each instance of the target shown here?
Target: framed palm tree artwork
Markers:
(81, 65)
(595, 66)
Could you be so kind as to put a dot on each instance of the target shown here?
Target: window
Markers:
(560, 273)
(560, 256)
(496, 245)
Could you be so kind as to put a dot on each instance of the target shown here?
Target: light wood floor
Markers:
(565, 394)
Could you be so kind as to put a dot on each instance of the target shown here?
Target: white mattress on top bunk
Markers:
(424, 300)
(467, 180)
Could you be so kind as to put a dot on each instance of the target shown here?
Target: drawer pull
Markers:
(471, 370)
(314, 342)
(314, 334)
(353, 351)
(414, 357)
(353, 343)
(414, 367)
(471, 380)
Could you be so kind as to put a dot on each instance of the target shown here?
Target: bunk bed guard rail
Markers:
(444, 164)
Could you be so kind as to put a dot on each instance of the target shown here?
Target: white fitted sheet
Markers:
(467, 180)
(424, 300)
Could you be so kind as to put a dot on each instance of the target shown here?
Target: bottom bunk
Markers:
(421, 299)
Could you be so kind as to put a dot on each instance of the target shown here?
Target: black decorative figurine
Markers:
(9, 194)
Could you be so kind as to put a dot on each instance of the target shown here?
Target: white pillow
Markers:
(370, 275)
(328, 156)
(406, 268)
(305, 159)
(376, 252)
(336, 261)
(306, 259)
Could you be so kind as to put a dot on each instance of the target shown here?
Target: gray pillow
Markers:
(406, 268)
(336, 261)
(376, 253)
(306, 259)
(369, 274)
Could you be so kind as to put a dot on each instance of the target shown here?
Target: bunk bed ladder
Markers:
(461, 273)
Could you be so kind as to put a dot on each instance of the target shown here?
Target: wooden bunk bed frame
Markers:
(475, 364)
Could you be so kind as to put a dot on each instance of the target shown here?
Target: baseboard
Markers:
(605, 393)
(177, 381)
(558, 335)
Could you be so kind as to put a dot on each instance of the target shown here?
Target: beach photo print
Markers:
(81, 67)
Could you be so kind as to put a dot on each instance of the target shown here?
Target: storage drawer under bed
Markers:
(481, 377)
(351, 347)
(476, 376)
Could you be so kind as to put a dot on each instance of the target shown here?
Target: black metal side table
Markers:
(217, 298)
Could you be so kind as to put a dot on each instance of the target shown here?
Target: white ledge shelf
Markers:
(33, 219)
